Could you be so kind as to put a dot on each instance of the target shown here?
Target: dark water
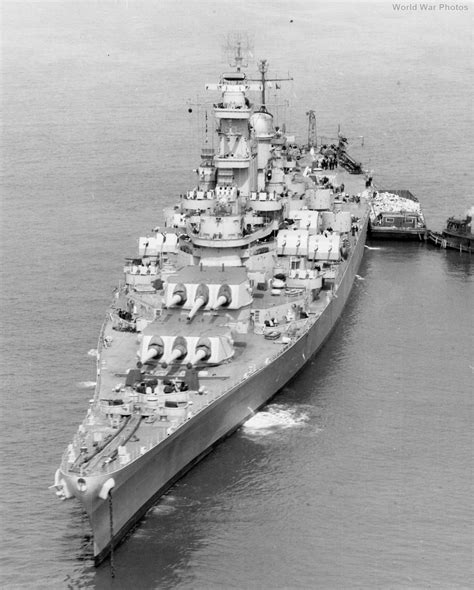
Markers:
(359, 473)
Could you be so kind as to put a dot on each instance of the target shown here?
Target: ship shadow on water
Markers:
(79, 536)
(392, 248)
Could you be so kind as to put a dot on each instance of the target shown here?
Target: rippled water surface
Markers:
(358, 474)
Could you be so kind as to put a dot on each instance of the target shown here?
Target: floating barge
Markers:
(396, 215)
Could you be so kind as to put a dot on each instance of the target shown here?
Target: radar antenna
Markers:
(238, 50)
(263, 69)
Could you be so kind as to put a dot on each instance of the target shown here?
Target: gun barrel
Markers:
(155, 350)
(199, 302)
(221, 300)
(177, 299)
(201, 354)
(178, 352)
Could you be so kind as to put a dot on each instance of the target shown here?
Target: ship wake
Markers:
(275, 418)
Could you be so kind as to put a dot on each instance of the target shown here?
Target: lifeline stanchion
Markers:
(111, 517)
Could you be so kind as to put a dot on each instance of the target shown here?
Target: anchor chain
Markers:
(85, 537)
(111, 519)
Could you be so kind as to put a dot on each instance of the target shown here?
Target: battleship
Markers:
(221, 306)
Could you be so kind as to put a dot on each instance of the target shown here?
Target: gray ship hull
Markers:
(139, 484)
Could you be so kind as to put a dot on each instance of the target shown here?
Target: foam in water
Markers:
(92, 352)
(372, 247)
(275, 418)
(163, 509)
(86, 384)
